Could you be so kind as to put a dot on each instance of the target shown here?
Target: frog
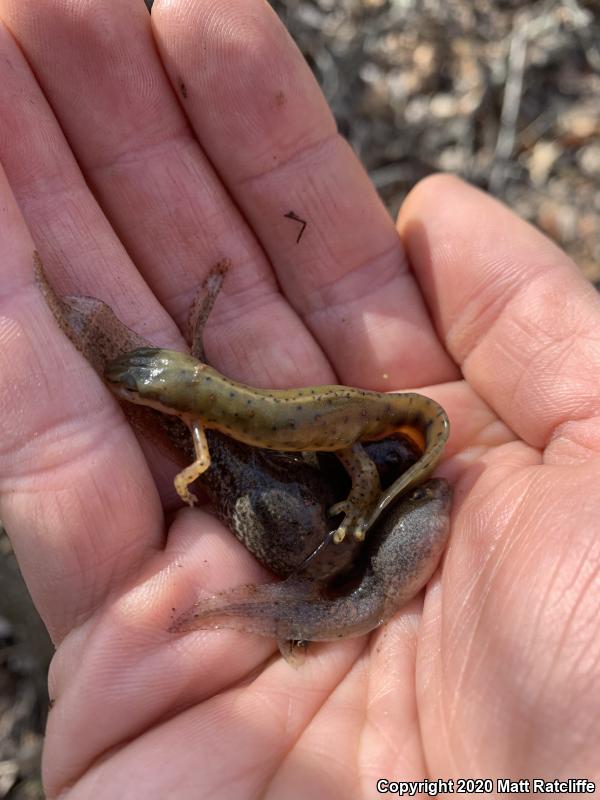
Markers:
(398, 559)
(330, 418)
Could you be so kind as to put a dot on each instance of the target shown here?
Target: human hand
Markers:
(495, 671)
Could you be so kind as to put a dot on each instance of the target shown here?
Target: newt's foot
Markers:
(355, 522)
(363, 496)
(183, 492)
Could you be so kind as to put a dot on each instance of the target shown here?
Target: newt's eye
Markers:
(420, 493)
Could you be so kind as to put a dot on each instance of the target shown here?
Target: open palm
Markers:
(135, 156)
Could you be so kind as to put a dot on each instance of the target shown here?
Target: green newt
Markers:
(275, 503)
(322, 418)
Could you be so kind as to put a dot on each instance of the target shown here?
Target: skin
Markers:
(493, 671)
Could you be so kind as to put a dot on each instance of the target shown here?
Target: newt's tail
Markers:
(432, 421)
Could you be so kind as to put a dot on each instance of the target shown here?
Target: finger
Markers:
(153, 181)
(79, 248)
(75, 492)
(80, 251)
(513, 310)
(265, 126)
(129, 646)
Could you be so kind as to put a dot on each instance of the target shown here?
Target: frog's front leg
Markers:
(200, 464)
(363, 496)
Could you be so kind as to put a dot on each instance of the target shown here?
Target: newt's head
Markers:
(151, 376)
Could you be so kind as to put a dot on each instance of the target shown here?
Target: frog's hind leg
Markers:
(366, 490)
(200, 465)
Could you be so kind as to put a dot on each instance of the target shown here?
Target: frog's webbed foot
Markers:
(366, 490)
(200, 465)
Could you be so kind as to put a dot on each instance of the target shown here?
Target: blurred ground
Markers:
(502, 92)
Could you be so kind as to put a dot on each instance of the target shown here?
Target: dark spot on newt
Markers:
(183, 89)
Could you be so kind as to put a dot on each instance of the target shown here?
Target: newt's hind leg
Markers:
(200, 465)
(202, 306)
(366, 490)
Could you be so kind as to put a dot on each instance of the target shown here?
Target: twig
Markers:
(511, 103)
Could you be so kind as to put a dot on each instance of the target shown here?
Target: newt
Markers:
(332, 418)
(275, 503)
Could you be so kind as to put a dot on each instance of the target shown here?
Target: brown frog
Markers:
(398, 559)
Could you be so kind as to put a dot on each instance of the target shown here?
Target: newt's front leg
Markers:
(197, 467)
(363, 496)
